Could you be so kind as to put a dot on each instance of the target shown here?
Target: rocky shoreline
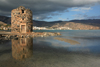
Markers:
(33, 35)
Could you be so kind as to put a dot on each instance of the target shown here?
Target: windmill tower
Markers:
(21, 20)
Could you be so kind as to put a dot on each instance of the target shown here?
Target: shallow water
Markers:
(50, 52)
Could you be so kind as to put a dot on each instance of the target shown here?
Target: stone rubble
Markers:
(33, 35)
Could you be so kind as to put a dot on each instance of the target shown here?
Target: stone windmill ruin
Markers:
(21, 20)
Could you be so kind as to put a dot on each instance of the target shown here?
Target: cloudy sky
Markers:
(53, 10)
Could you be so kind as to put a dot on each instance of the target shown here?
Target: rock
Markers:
(58, 33)
(15, 35)
(22, 36)
(11, 37)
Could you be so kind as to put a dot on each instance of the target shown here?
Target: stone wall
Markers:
(21, 16)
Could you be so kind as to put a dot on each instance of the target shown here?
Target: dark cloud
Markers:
(90, 17)
(93, 17)
(41, 17)
(43, 8)
(81, 16)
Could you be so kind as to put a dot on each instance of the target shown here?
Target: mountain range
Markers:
(85, 24)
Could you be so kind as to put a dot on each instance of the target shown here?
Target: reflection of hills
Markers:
(74, 24)
(22, 48)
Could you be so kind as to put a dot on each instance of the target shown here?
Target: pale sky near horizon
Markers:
(53, 10)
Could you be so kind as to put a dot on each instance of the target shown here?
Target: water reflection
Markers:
(22, 48)
(72, 42)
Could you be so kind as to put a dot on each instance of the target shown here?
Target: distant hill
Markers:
(2, 23)
(79, 26)
(44, 23)
(5, 19)
(93, 22)
(74, 24)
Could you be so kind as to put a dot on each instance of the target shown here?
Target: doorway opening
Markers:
(23, 28)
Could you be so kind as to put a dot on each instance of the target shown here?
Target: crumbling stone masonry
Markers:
(21, 20)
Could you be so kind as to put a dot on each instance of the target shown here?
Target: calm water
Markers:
(50, 52)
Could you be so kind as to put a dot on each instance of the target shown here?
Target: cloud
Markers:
(81, 16)
(41, 17)
(43, 8)
(93, 17)
(78, 16)
(81, 9)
